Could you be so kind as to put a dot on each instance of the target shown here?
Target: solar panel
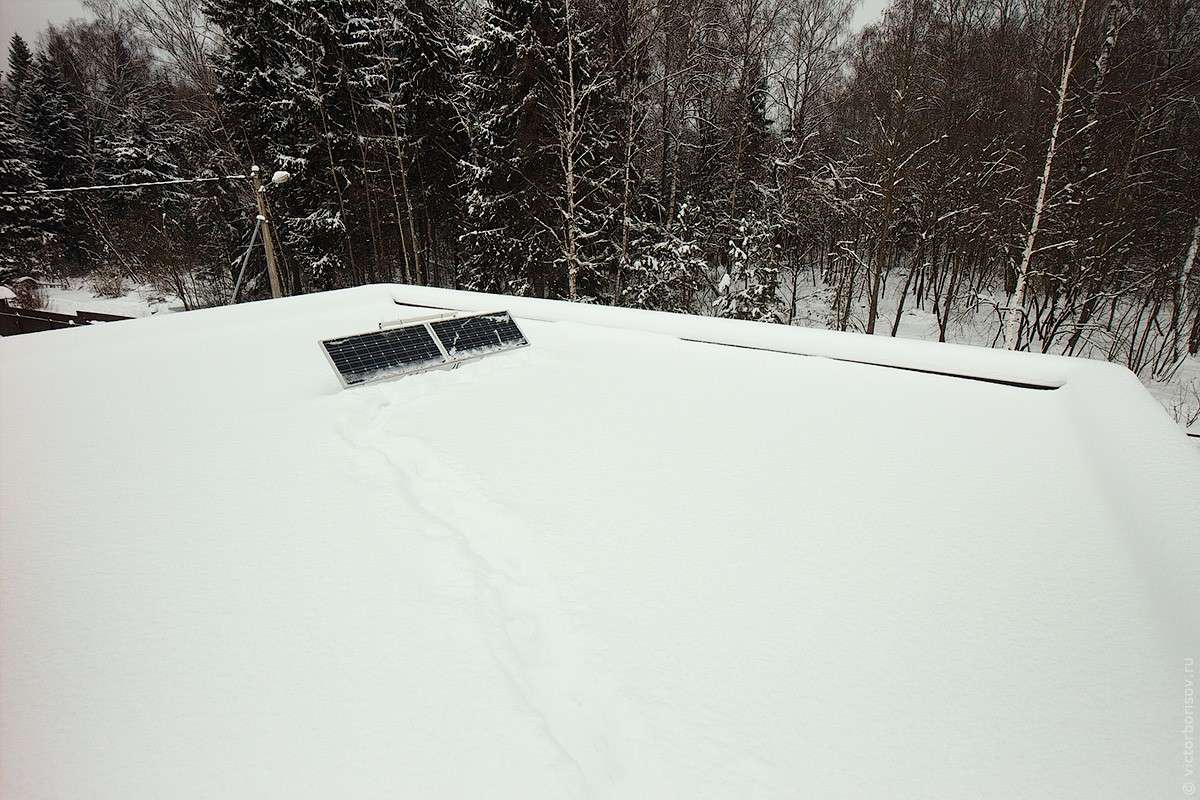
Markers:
(396, 351)
(466, 337)
(420, 346)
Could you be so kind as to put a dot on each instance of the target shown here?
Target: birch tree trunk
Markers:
(1016, 306)
(626, 196)
(1112, 29)
(569, 140)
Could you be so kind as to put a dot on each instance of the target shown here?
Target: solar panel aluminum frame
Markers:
(448, 361)
(385, 375)
(410, 321)
(472, 354)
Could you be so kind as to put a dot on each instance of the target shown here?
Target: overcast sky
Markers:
(29, 18)
(868, 11)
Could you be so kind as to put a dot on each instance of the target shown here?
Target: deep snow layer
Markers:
(612, 564)
(138, 301)
(1180, 395)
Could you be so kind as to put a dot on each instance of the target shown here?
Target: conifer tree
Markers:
(20, 67)
(749, 289)
(544, 140)
(50, 123)
(138, 147)
(668, 264)
(408, 87)
(19, 231)
(513, 166)
(270, 85)
(54, 137)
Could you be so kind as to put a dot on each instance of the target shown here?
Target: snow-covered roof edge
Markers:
(1110, 402)
(974, 362)
(1108, 396)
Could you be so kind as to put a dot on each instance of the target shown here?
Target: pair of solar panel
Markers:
(422, 346)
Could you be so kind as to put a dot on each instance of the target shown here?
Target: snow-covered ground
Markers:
(1180, 396)
(138, 300)
(623, 562)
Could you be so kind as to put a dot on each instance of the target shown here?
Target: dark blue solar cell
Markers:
(378, 354)
(421, 346)
(484, 333)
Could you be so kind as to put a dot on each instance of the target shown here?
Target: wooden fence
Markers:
(15, 321)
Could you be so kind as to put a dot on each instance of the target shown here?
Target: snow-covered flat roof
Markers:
(647, 556)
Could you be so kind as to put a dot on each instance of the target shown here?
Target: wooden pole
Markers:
(267, 236)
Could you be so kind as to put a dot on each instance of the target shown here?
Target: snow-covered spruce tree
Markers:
(137, 149)
(56, 140)
(20, 68)
(747, 163)
(512, 73)
(544, 141)
(588, 122)
(51, 124)
(19, 232)
(353, 98)
(749, 288)
(667, 264)
(254, 76)
(405, 102)
(627, 33)
(137, 146)
(331, 232)
(267, 99)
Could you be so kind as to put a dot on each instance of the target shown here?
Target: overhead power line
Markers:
(262, 223)
(113, 186)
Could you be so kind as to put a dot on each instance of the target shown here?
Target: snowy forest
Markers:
(1024, 172)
